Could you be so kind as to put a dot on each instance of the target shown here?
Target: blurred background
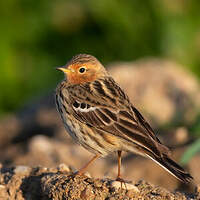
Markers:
(37, 37)
(152, 37)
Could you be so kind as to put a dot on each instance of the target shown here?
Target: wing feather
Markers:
(119, 118)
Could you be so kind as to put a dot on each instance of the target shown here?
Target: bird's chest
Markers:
(73, 128)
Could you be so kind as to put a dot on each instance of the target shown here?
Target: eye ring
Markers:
(82, 70)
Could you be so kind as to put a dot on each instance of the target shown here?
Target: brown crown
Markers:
(82, 58)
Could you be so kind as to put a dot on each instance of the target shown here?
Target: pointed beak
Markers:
(65, 70)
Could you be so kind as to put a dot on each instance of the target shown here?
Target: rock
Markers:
(124, 185)
(162, 89)
(63, 168)
(51, 183)
(22, 170)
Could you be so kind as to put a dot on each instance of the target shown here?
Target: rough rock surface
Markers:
(21, 183)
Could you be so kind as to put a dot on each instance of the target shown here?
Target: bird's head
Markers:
(83, 68)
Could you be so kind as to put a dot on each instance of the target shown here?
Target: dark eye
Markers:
(82, 69)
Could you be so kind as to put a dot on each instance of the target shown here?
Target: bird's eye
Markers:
(82, 69)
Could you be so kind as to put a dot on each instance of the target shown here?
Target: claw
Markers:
(122, 181)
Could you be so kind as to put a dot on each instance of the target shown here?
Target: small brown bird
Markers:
(99, 115)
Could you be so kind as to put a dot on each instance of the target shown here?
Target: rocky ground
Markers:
(168, 97)
(21, 182)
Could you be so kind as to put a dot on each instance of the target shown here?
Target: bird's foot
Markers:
(122, 181)
(75, 174)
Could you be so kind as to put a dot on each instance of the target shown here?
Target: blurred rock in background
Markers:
(165, 91)
(166, 94)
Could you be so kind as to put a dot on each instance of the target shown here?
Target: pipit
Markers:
(98, 114)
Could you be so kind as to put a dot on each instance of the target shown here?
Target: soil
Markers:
(22, 182)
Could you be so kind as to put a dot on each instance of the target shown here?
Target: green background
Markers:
(37, 36)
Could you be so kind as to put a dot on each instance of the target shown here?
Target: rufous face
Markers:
(81, 73)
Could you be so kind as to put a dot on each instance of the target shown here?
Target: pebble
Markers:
(87, 174)
(45, 169)
(22, 169)
(63, 168)
(41, 143)
(98, 183)
(181, 135)
(118, 185)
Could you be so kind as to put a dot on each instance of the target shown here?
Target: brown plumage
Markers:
(99, 115)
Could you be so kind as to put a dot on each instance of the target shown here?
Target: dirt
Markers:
(22, 182)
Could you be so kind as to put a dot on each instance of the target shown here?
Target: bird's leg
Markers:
(119, 164)
(119, 169)
(119, 153)
(82, 170)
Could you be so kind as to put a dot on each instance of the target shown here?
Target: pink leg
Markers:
(82, 170)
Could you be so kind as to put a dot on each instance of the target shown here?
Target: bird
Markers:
(98, 114)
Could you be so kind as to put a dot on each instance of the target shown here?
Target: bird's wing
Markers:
(104, 106)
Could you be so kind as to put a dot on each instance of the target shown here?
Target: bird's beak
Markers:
(65, 70)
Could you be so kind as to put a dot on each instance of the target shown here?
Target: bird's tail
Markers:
(172, 167)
